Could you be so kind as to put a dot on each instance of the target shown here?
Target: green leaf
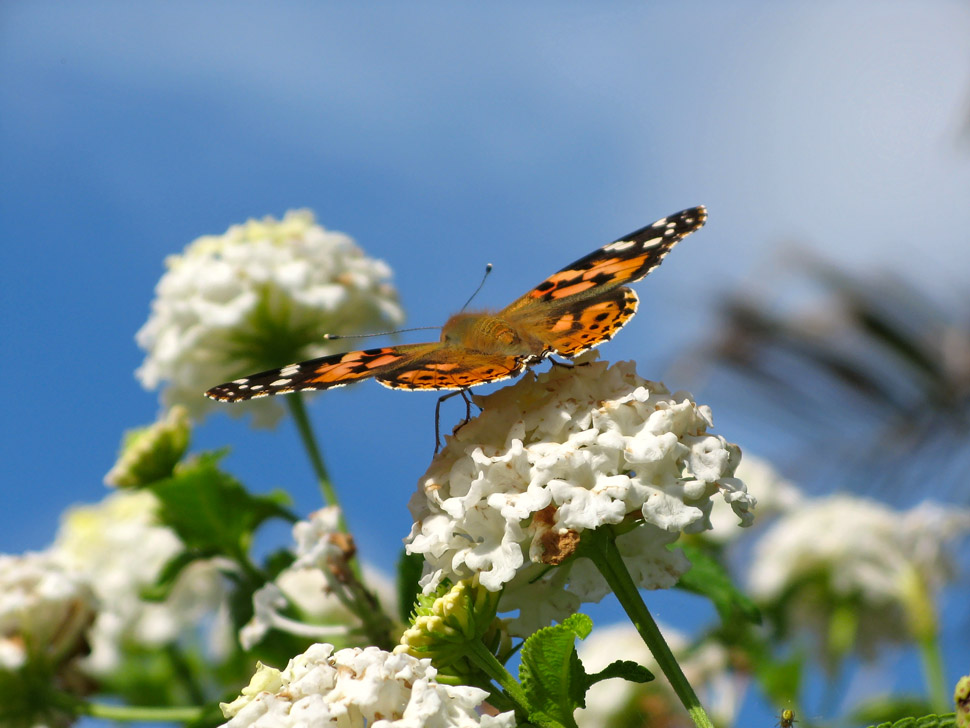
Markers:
(211, 511)
(409, 568)
(890, 710)
(708, 578)
(625, 669)
(947, 720)
(159, 591)
(780, 679)
(551, 674)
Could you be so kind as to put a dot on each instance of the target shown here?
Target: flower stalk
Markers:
(351, 588)
(599, 546)
(312, 447)
(489, 664)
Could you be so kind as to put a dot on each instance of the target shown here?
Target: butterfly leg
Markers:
(437, 415)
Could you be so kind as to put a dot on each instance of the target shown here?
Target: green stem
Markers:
(917, 597)
(484, 659)
(298, 410)
(184, 673)
(362, 602)
(132, 713)
(929, 650)
(600, 547)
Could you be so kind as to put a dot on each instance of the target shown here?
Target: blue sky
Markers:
(441, 137)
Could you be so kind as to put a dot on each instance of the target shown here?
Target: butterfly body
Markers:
(575, 309)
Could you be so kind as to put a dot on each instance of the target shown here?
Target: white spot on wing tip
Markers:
(280, 383)
(619, 245)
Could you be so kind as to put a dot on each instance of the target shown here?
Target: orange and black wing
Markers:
(586, 303)
(410, 366)
(452, 368)
(326, 372)
(623, 261)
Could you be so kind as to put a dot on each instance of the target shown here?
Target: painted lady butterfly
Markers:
(573, 310)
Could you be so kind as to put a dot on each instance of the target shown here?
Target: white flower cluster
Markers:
(43, 607)
(850, 550)
(614, 702)
(559, 453)
(357, 688)
(306, 586)
(235, 303)
(119, 548)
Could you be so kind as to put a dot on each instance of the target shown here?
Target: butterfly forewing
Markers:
(573, 310)
(326, 372)
(623, 261)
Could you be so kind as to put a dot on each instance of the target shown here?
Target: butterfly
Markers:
(573, 310)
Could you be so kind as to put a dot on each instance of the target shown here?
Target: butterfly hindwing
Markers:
(452, 368)
(575, 326)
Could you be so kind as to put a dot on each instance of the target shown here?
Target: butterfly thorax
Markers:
(486, 332)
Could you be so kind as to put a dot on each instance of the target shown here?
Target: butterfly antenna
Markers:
(488, 269)
(333, 337)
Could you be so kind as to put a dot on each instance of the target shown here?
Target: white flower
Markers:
(615, 702)
(305, 587)
(857, 554)
(318, 539)
(119, 547)
(260, 295)
(554, 455)
(773, 493)
(44, 609)
(357, 688)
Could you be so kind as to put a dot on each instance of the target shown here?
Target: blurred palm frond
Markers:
(871, 376)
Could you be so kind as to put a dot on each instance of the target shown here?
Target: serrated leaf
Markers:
(551, 674)
(889, 709)
(947, 720)
(211, 511)
(708, 578)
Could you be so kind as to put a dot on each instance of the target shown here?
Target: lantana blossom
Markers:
(561, 452)
(357, 688)
(45, 609)
(879, 565)
(305, 587)
(120, 547)
(260, 295)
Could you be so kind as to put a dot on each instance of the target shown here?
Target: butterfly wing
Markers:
(410, 366)
(573, 326)
(625, 260)
(326, 372)
(586, 303)
(452, 368)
